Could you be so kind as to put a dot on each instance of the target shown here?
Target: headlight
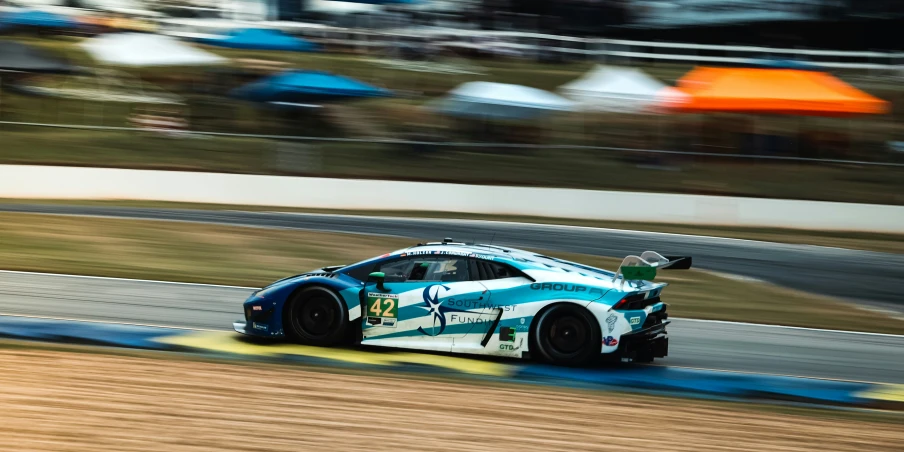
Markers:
(264, 293)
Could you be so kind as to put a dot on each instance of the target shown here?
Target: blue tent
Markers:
(261, 39)
(305, 87)
(381, 2)
(36, 18)
(777, 63)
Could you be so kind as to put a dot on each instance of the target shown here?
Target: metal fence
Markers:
(176, 132)
(534, 43)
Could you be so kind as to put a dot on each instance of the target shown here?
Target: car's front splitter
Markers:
(257, 329)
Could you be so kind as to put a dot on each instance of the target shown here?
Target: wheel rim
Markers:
(568, 335)
(317, 317)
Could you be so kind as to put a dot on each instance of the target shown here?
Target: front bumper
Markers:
(261, 319)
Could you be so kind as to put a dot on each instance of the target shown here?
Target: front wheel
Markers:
(566, 334)
(316, 316)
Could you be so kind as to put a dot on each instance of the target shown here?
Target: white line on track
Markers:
(565, 226)
(108, 322)
(64, 275)
(799, 328)
(724, 322)
(446, 220)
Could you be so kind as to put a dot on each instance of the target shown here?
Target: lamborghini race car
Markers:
(477, 299)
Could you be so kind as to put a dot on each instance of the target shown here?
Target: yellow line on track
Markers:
(884, 393)
(225, 342)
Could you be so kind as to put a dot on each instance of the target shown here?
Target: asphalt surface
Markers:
(872, 278)
(698, 344)
(863, 276)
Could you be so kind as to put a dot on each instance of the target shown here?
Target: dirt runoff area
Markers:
(72, 401)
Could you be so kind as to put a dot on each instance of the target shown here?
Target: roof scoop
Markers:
(446, 241)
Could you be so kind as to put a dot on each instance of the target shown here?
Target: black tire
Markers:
(566, 334)
(316, 316)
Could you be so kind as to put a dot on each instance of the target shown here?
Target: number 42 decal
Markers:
(382, 305)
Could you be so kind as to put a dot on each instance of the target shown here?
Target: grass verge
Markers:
(253, 256)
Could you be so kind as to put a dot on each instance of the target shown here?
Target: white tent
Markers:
(130, 8)
(142, 49)
(341, 7)
(617, 89)
(500, 101)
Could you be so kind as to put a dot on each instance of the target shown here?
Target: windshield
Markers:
(360, 270)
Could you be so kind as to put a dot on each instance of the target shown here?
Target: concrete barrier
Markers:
(49, 182)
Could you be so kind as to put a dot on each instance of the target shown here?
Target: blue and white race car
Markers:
(477, 299)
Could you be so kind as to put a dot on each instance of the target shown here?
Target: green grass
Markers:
(214, 254)
(133, 150)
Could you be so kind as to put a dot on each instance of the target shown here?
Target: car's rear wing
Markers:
(644, 267)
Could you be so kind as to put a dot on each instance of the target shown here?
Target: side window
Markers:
(427, 269)
(502, 271)
(487, 270)
(396, 271)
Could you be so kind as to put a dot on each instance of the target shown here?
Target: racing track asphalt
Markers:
(694, 343)
(858, 275)
(867, 277)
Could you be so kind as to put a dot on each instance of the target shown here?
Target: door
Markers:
(423, 304)
(492, 308)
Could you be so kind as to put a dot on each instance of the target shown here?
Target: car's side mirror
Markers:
(379, 277)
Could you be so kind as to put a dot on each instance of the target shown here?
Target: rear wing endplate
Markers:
(644, 267)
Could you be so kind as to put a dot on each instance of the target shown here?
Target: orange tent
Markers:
(773, 91)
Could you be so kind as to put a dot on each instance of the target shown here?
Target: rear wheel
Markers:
(566, 334)
(316, 316)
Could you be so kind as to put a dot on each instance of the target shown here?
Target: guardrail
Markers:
(176, 128)
(596, 48)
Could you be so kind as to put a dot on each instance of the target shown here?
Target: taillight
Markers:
(625, 302)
